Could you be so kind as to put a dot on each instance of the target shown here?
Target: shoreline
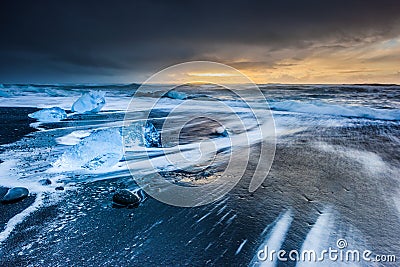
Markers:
(15, 126)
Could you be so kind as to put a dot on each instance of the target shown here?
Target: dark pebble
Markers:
(45, 181)
(125, 197)
(59, 188)
(15, 194)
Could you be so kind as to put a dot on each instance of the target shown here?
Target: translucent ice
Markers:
(151, 136)
(102, 149)
(176, 95)
(90, 102)
(141, 134)
(49, 114)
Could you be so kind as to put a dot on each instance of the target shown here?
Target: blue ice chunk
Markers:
(141, 134)
(49, 114)
(151, 136)
(176, 95)
(102, 149)
(91, 102)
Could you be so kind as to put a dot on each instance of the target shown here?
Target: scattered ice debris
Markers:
(141, 134)
(49, 114)
(91, 102)
(15, 194)
(176, 95)
(102, 149)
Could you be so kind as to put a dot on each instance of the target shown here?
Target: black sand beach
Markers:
(335, 173)
(85, 229)
(15, 125)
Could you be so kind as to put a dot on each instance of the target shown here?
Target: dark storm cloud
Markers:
(54, 40)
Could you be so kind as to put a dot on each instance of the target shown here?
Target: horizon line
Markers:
(138, 83)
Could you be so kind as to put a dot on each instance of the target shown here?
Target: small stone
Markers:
(60, 188)
(15, 194)
(45, 181)
(125, 197)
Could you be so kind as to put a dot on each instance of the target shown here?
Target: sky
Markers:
(269, 41)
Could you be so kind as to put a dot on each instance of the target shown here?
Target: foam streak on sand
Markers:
(317, 238)
(370, 160)
(240, 247)
(318, 107)
(274, 239)
(20, 217)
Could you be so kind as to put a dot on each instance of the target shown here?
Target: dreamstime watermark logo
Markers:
(338, 254)
(247, 119)
(341, 243)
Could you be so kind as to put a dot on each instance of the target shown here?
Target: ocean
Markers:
(333, 176)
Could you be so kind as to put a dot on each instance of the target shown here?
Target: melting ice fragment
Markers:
(49, 114)
(91, 102)
(151, 136)
(141, 134)
(102, 149)
(176, 95)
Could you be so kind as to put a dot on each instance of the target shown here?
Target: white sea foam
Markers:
(370, 160)
(20, 217)
(139, 160)
(318, 237)
(240, 246)
(336, 110)
(275, 239)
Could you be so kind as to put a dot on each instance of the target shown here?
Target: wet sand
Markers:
(85, 229)
(312, 171)
(15, 125)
